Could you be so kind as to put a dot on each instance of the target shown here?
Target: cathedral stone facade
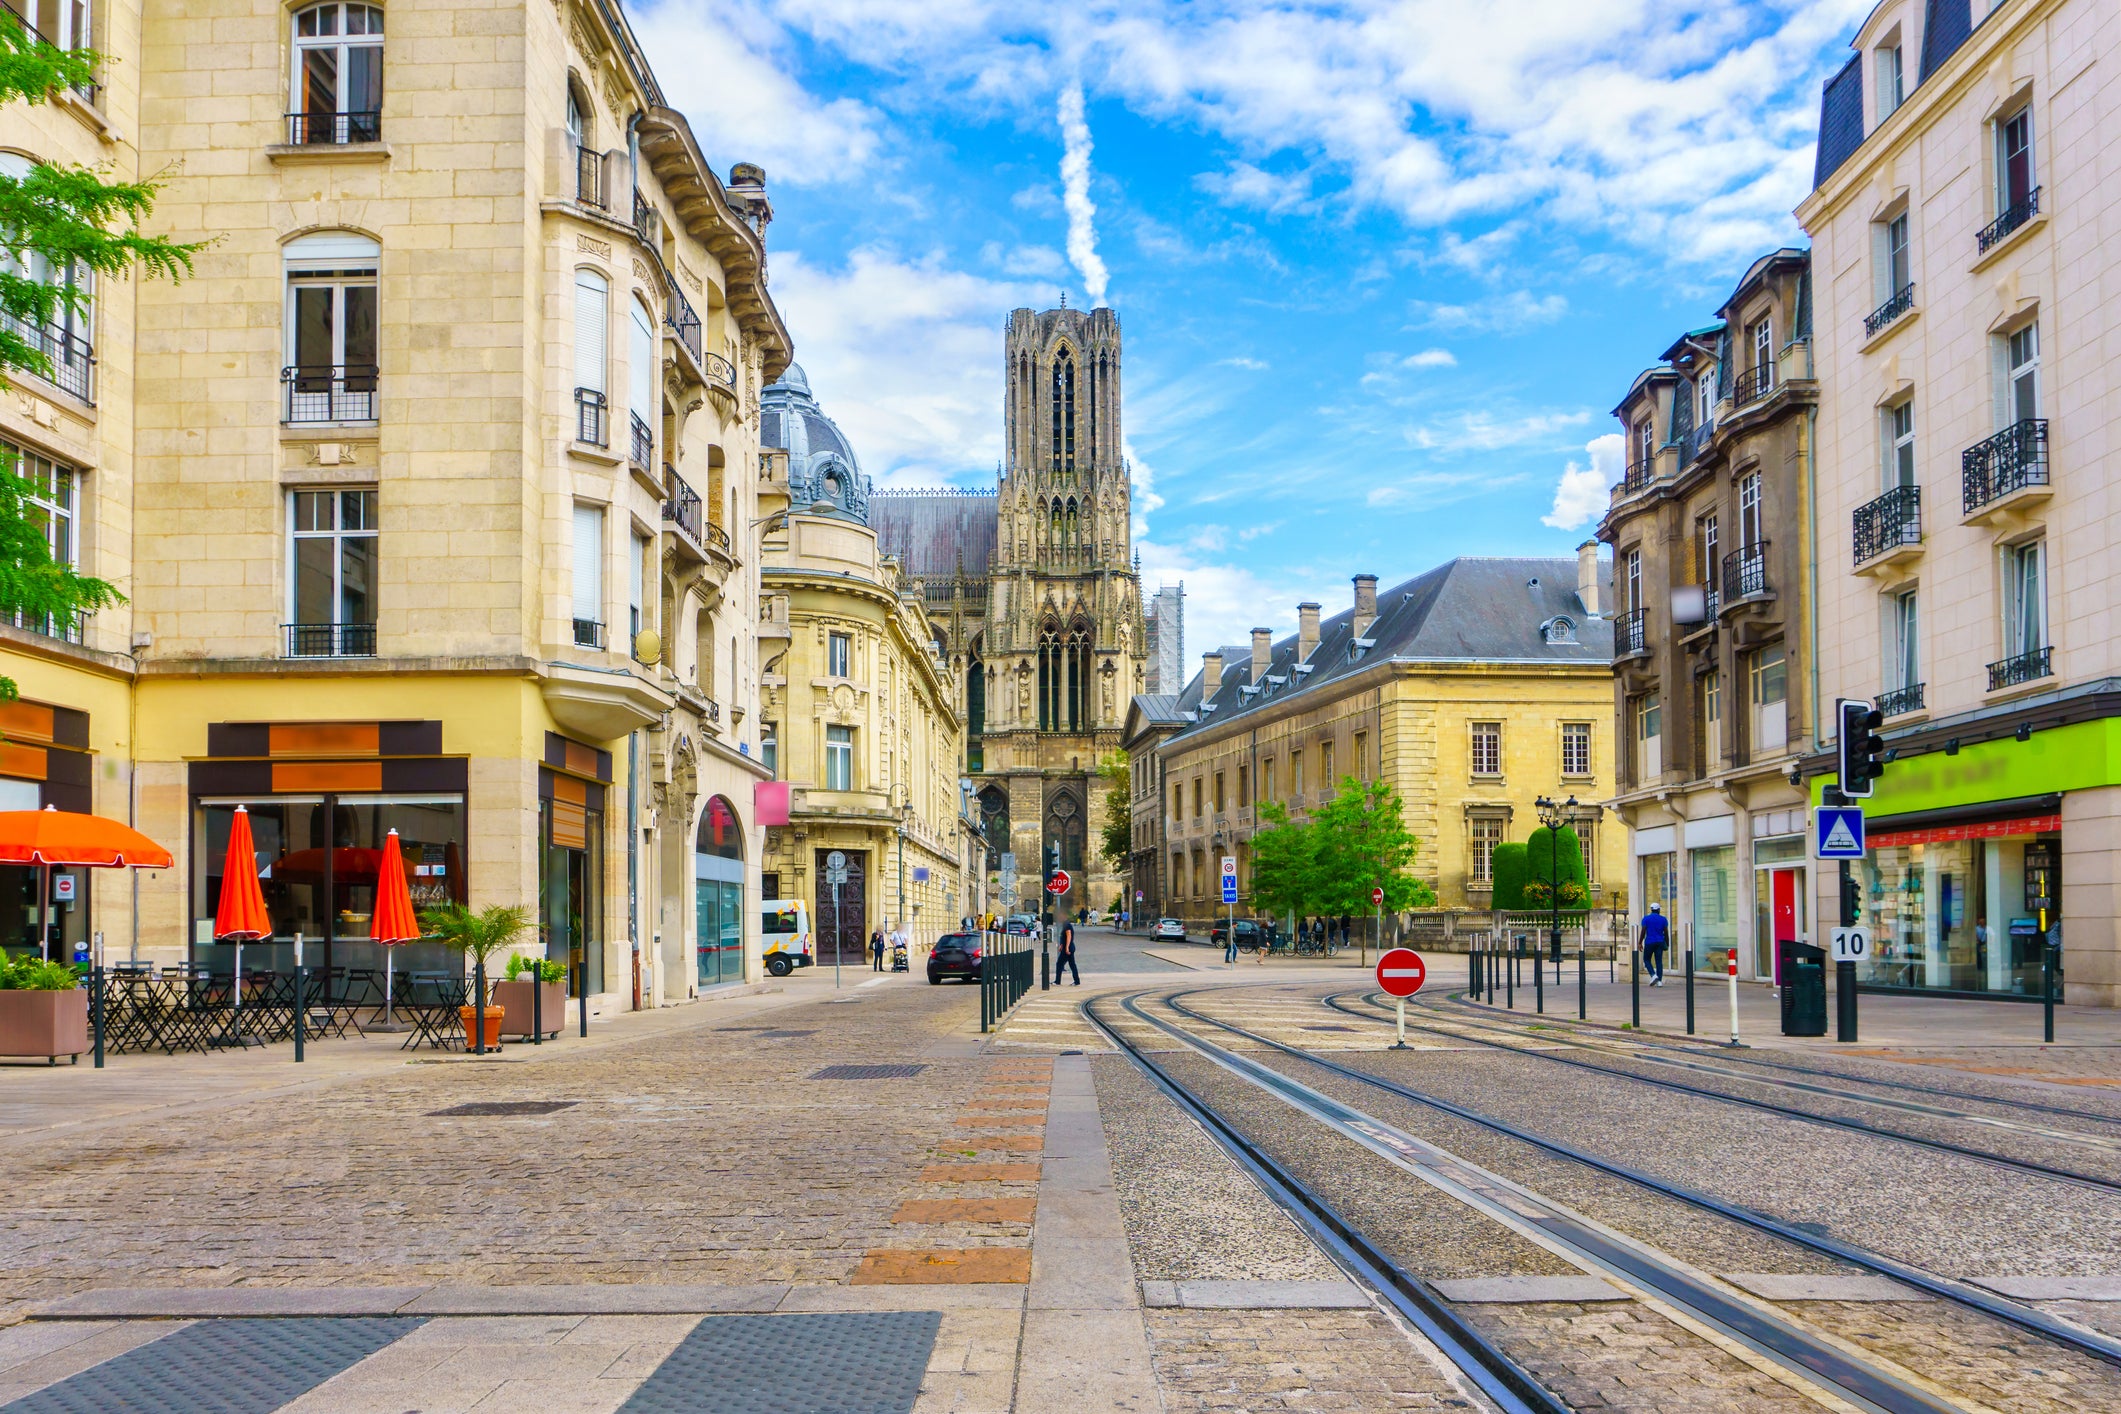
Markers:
(1036, 600)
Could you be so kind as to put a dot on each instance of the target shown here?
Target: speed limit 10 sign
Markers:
(1851, 945)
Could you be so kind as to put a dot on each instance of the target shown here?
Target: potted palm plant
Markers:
(546, 1008)
(479, 934)
(43, 1010)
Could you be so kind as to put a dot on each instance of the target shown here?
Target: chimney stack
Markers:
(1365, 603)
(1306, 630)
(1211, 675)
(1262, 653)
(1587, 575)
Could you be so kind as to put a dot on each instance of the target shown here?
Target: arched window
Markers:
(592, 355)
(330, 373)
(1064, 413)
(336, 90)
(718, 898)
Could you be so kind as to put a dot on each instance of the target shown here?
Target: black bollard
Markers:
(537, 999)
(301, 1008)
(95, 1007)
(1509, 981)
(582, 988)
(2047, 989)
(1539, 984)
(1583, 988)
(1635, 986)
(1690, 991)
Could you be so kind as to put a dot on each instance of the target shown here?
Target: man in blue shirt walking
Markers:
(1656, 934)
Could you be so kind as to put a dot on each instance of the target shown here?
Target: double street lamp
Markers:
(1554, 815)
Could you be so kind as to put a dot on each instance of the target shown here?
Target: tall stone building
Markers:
(1035, 599)
(1167, 639)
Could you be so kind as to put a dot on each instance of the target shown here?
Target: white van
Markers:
(784, 936)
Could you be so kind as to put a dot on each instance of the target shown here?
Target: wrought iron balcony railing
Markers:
(590, 187)
(588, 633)
(644, 220)
(718, 370)
(716, 536)
(1901, 700)
(344, 392)
(72, 359)
(641, 450)
(1630, 633)
(1638, 476)
(684, 323)
(2012, 460)
(1893, 520)
(1753, 384)
(2013, 217)
(683, 508)
(589, 418)
(1745, 572)
(331, 640)
(2022, 667)
(333, 129)
(1902, 301)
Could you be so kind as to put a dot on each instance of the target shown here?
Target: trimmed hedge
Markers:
(1510, 870)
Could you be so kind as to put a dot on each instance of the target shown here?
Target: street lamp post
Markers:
(1554, 816)
(905, 812)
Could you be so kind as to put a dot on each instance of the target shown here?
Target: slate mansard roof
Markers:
(1465, 610)
(936, 533)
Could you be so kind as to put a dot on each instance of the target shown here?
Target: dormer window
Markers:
(1892, 81)
(1560, 629)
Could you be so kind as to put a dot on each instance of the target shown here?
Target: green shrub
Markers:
(1548, 853)
(549, 969)
(1509, 875)
(30, 973)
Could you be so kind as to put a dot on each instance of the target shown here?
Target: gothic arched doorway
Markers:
(718, 894)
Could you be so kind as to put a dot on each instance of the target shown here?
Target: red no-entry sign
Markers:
(1401, 972)
(1060, 883)
(1377, 897)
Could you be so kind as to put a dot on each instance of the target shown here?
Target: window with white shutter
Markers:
(592, 355)
(637, 582)
(640, 366)
(589, 576)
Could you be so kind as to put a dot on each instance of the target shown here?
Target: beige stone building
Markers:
(432, 491)
(857, 710)
(1473, 689)
(1712, 675)
(1968, 529)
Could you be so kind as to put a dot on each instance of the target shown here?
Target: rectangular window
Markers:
(1634, 579)
(1362, 756)
(1903, 644)
(2014, 160)
(839, 758)
(1712, 720)
(1178, 803)
(1900, 444)
(839, 655)
(1749, 510)
(1487, 748)
(1266, 779)
(636, 588)
(1485, 833)
(332, 575)
(1197, 797)
(1892, 82)
(1218, 792)
(331, 344)
(1706, 531)
(2022, 376)
(1244, 793)
(770, 754)
(1705, 398)
(589, 576)
(1649, 731)
(1645, 443)
(1898, 271)
(1296, 777)
(1325, 767)
(49, 505)
(1762, 337)
(1576, 748)
(2025, 598)
(1768, 675)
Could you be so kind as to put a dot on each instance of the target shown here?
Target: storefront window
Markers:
(718, 895)
(570, 891)
(1957, 908)
(1660, 883)
(1715, 905)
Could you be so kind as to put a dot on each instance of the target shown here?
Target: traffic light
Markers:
(1862, 750)
(1052, 858)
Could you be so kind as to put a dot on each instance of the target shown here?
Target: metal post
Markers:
(1690, 987)
(1539, 983)
(301, 999)
(2047, 990)
(1401, 1043)
(537, 1000)
(1583, 986)
(1635, 987)
(1845, 972)
(95, 1008)
(1733, 967)
(837, 940)
(1509, 976)
(582, 988)
(478, 1003)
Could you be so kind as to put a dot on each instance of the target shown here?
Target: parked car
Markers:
(784, 936)
(1171, 928)
(1251, 934)
(954, 955)
(1021, 925)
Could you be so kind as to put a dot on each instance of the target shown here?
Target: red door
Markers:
(1786, 912)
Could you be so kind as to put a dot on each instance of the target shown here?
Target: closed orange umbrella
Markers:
(393, 921)
(241, 912)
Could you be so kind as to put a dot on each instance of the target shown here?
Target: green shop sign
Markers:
(2075, 757)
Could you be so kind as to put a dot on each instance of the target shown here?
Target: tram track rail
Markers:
(1964, 1295)
(1839, 1371)
(1336, 1003)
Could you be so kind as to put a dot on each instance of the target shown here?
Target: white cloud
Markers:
(1075, 194)
(1483, 431)
(1224, 602)
(1430, 358)
(1040, 260)
(1585, 489)
(1255, 365)
(1505, 314)
(905, 354)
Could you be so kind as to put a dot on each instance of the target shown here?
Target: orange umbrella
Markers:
(393, 921)
(53, 838)
(241, 913)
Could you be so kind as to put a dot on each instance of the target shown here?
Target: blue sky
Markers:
(1382, 268)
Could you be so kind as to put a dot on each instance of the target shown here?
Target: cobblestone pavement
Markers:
(1324, 1361)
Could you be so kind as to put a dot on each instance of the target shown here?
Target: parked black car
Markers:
(955, 955)
(1251, 934)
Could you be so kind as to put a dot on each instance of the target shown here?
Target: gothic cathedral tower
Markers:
(1062, 648)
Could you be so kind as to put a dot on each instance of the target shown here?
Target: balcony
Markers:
(721, 373)
(331, 640)
(333, 129)
(683, 509)
(72, 360)
(590, 179)
(2021, 668)
(644, 221)
(328, 393)
(641, 450)
(1901, 700)
(1631, 634)
(1745, 575)
(1639, 475)
(2008, 469)
(684, 323)
(1889, 528)
(1902, 301)
(590, 418)
(1753, 384)
(2017, 215)
(588, 633)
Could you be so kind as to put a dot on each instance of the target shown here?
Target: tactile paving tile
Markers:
(858, 1363)
(222, 1367)
(867, 1072)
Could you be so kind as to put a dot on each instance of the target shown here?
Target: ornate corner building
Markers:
(1036, 598)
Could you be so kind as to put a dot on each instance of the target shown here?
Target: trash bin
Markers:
(1803, 989)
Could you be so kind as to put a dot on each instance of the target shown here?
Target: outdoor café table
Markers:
(432, 999)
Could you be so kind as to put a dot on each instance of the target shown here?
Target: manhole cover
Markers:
(507, 1107)
(867, 1072)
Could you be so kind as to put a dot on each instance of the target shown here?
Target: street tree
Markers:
(1364, 844)
(1284, 863)
(1116, 830)
(60, 228)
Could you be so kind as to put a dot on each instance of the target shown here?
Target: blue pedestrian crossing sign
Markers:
(1229, 878)
(1840, 832)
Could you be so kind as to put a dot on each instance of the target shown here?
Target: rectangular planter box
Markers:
(514, 998)
(48, 1024)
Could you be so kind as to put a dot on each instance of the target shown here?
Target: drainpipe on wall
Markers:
(1808, 468)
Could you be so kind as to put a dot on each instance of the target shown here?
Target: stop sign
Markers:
(1401, 972)
(1060, 883)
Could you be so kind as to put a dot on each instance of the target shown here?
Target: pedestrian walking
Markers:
(1656, 936)
(876, 948)
(1230, 948)
(1064, 956)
